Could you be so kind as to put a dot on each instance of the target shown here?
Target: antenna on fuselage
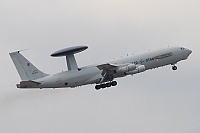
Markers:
(69, 54)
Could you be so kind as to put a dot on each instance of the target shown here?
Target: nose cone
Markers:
(189, 51)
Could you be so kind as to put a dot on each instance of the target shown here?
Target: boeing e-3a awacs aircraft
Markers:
(102, 75)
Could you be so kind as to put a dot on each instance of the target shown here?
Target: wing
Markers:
(111, 71)
(107, 66)
(108, 70)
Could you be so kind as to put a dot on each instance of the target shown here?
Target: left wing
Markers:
(108, 70)
(111, 71)
(107, 66)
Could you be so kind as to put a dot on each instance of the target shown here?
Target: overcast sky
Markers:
(156, 101)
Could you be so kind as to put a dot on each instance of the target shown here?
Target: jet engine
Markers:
(125, 69)
(139, 69)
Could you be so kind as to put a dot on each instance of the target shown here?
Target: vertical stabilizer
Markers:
(25, 68)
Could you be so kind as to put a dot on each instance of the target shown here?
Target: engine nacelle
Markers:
(125, 69)
(139, 69)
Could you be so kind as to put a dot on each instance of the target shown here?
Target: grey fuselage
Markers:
(93, 75)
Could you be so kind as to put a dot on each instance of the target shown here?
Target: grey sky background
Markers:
(160, 100)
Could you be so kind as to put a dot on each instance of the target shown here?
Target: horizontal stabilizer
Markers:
(28, 84)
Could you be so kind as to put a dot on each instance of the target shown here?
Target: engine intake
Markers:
(139, 69)
(125, 69)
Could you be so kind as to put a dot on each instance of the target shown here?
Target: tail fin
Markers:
(26, 69)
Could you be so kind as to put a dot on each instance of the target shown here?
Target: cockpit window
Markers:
(182, 48)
